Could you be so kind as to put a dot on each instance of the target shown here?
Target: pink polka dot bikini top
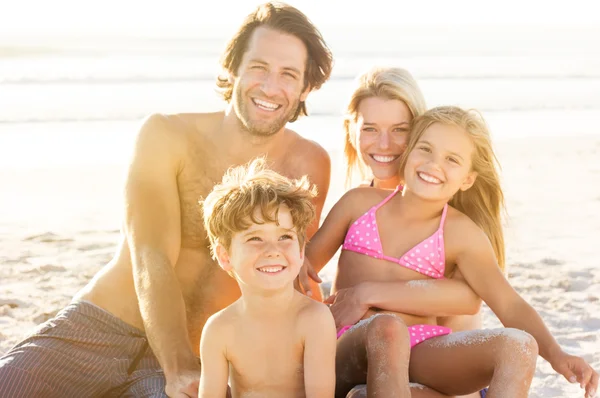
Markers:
(427, 257)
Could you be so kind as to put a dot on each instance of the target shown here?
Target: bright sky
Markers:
(145, 17)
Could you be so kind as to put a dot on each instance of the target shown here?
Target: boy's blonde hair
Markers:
(230, 206)
(484, 201)
(384, 82)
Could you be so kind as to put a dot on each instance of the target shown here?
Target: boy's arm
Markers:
(478, 264)
(319, 353)
(215, 368)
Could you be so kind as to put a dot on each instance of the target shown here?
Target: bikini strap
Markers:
(390, 196)
(443, 216)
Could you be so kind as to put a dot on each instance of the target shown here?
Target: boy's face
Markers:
(266, 256)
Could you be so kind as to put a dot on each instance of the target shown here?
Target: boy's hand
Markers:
(302, 281)
(577, 370)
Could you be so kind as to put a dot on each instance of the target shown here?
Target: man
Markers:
(145, 310)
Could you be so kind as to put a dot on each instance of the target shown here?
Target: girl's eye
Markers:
(254, 239)
(424, 149)
(453, 160)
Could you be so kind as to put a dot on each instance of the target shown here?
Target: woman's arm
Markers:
(423, 297)
(215, 369)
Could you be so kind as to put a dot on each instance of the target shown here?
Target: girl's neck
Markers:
(416, 208)
(263, 302)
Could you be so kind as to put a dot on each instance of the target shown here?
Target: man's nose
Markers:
(270, 84)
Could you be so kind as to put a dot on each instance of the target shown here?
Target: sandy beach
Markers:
(70, 106)
(60, 225)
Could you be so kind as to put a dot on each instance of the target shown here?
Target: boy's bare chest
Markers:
(268, 361)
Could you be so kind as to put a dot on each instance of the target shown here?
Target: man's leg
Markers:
(82, 352)
(146, 379)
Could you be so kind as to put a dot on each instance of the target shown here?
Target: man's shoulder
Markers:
(180, 124)
(308, 156)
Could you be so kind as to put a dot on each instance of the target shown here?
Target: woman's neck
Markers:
(389, 184)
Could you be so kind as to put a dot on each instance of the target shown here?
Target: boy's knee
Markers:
(387, 329)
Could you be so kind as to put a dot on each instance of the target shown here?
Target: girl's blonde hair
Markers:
(484, 201)
(230, 206)
(385, 82)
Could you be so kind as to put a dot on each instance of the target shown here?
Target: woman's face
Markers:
(382, 128)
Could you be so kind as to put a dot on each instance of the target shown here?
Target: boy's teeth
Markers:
(266, 105)
(384, 159)
(429, 178)
(270, 269)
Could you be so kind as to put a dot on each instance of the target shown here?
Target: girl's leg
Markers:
(416, 391)
(465, 362)
(376, 351)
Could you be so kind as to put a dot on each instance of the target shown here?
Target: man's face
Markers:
(269, 84)
(265, 256)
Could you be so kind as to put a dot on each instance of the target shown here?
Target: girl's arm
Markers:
(328, 239)
(215, 369)
(319, 352)
(477, 262)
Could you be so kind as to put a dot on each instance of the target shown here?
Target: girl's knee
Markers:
(519, 345)
(386, 328)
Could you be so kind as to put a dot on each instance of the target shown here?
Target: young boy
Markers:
(266, 343)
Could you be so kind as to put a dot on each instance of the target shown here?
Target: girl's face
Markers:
(382, 128)
(440, 164)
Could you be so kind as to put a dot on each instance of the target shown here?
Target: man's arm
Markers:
(215, 369)
(153, 232)
(319, 353)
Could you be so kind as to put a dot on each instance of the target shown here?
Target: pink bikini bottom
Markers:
(418, 333)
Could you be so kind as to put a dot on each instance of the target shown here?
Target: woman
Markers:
(376, 125)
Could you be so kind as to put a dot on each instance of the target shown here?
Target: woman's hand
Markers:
(348, 305)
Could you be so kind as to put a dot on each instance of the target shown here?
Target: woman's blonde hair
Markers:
(230, 206)
(484, 201)
(385, 82)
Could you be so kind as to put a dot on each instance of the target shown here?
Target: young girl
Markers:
(446, 218)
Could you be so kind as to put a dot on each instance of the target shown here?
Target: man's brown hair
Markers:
(286, 19)
(230, 206)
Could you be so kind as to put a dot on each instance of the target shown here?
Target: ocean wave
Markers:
(202, 78)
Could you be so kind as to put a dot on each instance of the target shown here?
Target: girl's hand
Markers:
(347, 306)
(576, 370)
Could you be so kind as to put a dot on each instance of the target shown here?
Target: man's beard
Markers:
(260, 128)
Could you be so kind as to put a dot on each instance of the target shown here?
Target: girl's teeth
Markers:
(429, 178)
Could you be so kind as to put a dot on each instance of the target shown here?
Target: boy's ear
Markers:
(223, 258)
(469, 181)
